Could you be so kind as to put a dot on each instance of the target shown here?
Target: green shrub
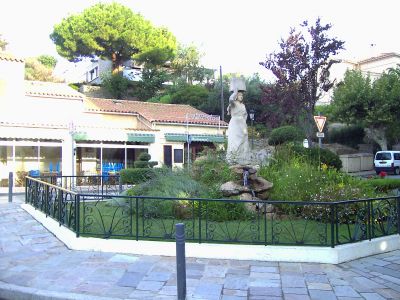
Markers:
(144, 156)
(350, 136)
(285, 134)
(317, 156)
(382, 184)
(296, 178)
(137, 175)
(144, 161)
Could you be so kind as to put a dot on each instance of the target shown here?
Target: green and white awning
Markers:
(115, 136)
(179, 137)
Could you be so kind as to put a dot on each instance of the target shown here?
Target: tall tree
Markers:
(301, 68)
(186, 66)
(373, 105)
(113, 32)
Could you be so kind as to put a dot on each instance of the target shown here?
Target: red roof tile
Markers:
(9, 57)
(51, 89)
(154, 112)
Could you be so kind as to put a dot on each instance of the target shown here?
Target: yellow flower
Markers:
(324, 167)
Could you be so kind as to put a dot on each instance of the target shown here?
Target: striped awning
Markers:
(179, 137)
(116, 136)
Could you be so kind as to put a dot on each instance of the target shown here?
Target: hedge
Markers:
(317, 155)
(285, 134)
(136, 175)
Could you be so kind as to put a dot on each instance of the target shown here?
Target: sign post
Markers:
(320, 121)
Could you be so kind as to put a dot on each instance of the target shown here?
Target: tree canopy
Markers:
(111, 31)
(301, 68)
(373, 105)
(35, 69)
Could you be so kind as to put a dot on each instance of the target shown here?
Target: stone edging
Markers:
(336, 255)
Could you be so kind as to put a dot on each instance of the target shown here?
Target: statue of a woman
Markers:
(238, 140)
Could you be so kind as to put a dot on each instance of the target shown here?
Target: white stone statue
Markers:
(238, 141)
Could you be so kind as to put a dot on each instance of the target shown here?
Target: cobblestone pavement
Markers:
(36, 265)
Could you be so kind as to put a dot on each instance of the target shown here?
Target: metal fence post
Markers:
(10, 186)
(119, 184)
(180, 260)
(332, 225)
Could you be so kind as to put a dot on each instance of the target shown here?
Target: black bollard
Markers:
(180, 260)
(10, 186)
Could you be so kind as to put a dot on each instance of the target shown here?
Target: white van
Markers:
(387, 161)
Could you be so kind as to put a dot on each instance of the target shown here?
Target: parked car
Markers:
(387, 161)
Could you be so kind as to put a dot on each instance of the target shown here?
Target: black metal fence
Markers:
(104, 214)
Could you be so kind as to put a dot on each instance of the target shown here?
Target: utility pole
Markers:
(222, 95)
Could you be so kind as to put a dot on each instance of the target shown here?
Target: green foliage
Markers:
(326, 111)
(384, 185)
(144, 156)
(296, 179)
(111, 31)
(34, 70)
(317, 157)
(373, 105)
(212, 170)
(144, 161)
(75, 86)
(152, 82)
(47, 60)
(285, 134)
(193, 95)
(116, 84)
(350, 135)
(137, 175)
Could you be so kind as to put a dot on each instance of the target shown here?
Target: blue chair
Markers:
(50, 167)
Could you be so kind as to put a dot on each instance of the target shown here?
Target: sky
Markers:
(236, 35)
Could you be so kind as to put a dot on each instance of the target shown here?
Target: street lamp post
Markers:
(252, 114)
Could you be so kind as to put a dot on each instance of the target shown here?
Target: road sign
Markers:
(320, 121)
(320, 134)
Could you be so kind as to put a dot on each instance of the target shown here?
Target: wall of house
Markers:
(11, 85)
(193, 129)
(377, 67)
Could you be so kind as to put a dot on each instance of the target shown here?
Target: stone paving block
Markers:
(259, 269)
(388, 293)
(292, 280)
(157, 276)
(395, 280)
(372, 296)
(208, 290)
(275, 276)
(140, 267)
(316, 278)
(345, 291)
(215, 271)
(393, 286)
(228, 297)
(236, 282)
(319, 286)
(170, 290)
(123, 258)
(297, 291)
(296, 297)
(238, 293)
(322, 295)
(263, 298)
(130, 279)
(238, 271)
(259, 282)
(262, 291)
(150, 285)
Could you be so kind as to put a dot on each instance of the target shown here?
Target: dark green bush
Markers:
(350, 136)
(137, 175)
(285, 134)
(144, 156)
(141, 164)
(317, 156)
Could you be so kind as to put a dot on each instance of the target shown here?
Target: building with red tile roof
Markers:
(51, 128)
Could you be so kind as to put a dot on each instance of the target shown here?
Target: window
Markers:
(397, 156)
(178, 156)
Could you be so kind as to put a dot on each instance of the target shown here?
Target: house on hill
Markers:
(50, 128)
(373, 67)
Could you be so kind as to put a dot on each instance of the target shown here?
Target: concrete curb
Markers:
(16, 292)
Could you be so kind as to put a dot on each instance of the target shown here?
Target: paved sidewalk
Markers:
(36, 265)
